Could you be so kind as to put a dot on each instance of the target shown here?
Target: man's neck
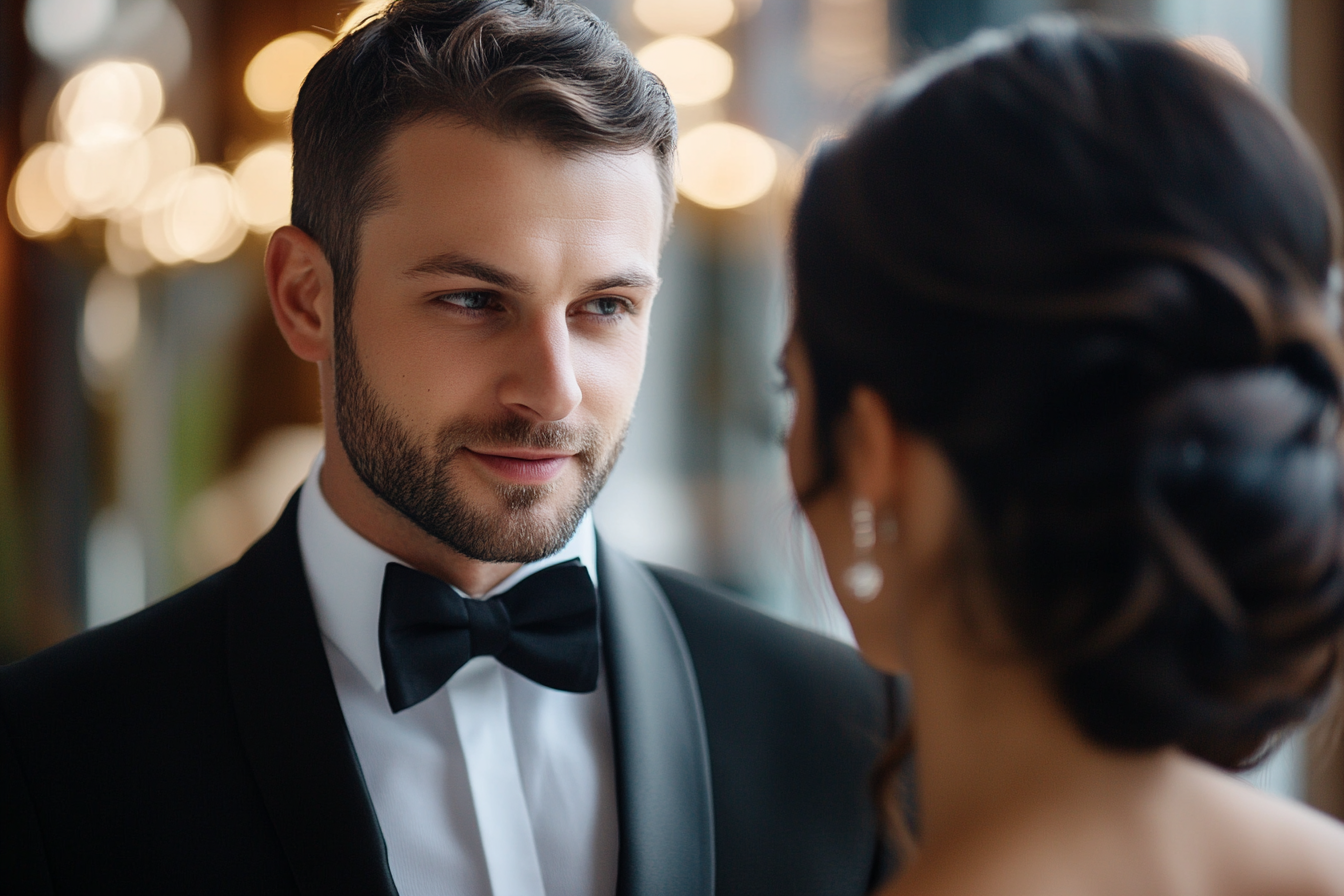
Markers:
(374, 520)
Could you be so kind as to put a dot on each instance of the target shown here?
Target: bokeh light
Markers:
(725, 165)
(171, 151)
(193, 217)
(152, 221)
(695, 70)
(698, 18)
(124, 243)
(60, 30)
(101, 115)
(67, 33)
(111, 318)
(265, 186)
(201, 218)
(107, 175)
(361, 14)
(37, 206)
(274, 76)
(154, 32)
(108, 101)
(223, 520)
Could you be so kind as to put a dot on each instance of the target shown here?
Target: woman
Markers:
(1067, 429)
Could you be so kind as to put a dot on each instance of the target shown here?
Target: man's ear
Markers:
(299, 281)
(872, 448)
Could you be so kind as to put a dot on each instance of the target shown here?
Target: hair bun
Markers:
(1240, 484)
(1240, 489)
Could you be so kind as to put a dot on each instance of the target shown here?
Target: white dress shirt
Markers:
(493, 785)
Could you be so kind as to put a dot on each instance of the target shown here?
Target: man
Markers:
(481, 193)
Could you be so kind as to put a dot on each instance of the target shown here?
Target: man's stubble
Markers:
(420, 483)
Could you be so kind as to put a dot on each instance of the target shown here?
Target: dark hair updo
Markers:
(1096, 271)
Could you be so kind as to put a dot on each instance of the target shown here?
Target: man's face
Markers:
(497, 333)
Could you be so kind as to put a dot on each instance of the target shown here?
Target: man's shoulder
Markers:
(795, 723)
(741, 646)
(121, 760)
(141, 653)
(696, 595)
(709, 609)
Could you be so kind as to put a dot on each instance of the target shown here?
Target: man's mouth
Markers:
(521, 466)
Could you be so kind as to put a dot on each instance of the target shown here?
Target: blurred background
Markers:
(153, 422)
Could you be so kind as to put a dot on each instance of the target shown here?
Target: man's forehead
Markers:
(453, 137)
(473, 170)
(461, 201)
(445, 146)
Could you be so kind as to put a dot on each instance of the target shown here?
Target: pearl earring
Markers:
(864, 577)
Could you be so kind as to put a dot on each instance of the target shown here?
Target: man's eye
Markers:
(605, 306)
(471, 301)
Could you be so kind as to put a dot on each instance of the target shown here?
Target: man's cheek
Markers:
(611, 400)
(449, 385)
(612, 378)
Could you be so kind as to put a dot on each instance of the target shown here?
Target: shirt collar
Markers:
(345, 575)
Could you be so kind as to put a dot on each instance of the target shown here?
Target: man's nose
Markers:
(540, 383)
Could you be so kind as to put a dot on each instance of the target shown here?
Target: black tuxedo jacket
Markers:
(198, 746)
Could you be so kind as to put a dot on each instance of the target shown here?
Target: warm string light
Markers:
(37, 205)
(725, 165)
(274, 76)
(697, 18)
(693, 69)
(107, 101)
(111, 325)
(62, 29)
(112, 159)
(103, 158)
(172, 152)
(68, 34)
(265, 186)
(195, 218)
(721, 165)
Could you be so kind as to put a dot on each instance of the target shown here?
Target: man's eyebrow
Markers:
(635, 279)
(457, 266)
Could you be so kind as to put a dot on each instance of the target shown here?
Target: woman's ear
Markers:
(906, 473)
(299, 281)
(872, 448)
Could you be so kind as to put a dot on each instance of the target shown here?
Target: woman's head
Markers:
(1092, 271)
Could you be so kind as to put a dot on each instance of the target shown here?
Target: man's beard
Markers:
(421, 485)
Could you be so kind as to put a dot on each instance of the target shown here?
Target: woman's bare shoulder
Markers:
(1273, 844)
(1211, 834)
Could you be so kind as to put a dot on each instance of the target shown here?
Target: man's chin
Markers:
(537, 517)
(513, 541)
(505, 500)
(516, 524)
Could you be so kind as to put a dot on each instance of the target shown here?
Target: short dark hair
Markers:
(1096, 270)
(548, 70)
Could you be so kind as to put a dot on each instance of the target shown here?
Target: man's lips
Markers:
(521, 465)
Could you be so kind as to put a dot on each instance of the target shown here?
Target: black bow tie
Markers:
(545, 627)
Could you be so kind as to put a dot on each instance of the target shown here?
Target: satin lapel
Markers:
(292, 726)
(662, 754)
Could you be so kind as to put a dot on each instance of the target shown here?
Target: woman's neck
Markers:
(994, 745)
